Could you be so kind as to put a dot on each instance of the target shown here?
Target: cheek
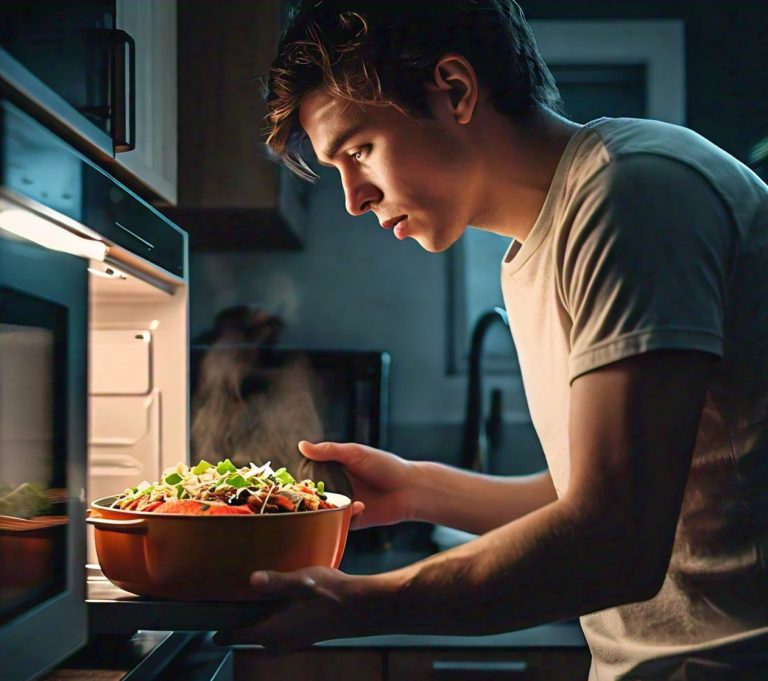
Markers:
(422, 167)
(422, 176)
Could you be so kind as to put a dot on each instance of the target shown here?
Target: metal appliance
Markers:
(93, 373)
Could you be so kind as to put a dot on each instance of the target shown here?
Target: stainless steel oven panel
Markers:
(43, 172)
(51, 630)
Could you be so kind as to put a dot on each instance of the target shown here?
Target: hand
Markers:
(382, 483)
(310, 605)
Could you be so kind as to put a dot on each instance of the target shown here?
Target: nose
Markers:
(359, 193)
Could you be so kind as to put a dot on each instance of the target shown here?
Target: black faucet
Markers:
(481, 438)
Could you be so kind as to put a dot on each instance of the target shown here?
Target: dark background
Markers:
(726, 47)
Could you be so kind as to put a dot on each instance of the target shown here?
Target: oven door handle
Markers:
(138, 526)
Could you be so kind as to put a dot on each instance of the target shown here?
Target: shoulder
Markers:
(640, 205)
(649, 182)
(626, 136)
(635, 160)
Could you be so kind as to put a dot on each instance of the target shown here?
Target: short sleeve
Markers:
(645, 255)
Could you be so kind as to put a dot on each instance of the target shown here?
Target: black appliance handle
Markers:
(123, 102)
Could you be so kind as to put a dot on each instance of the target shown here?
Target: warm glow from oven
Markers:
(25, 224)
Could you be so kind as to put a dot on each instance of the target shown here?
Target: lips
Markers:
(389, 224)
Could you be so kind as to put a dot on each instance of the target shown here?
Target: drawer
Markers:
(310, 665)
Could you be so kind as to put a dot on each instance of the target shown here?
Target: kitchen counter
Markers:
(138, 639)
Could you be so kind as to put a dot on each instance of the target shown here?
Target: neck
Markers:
(519, 160)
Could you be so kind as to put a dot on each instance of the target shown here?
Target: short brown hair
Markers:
(383, 52)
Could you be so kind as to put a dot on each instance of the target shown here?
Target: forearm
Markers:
(474, 502)
(547, 566)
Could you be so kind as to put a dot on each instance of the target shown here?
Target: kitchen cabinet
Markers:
(231, 196)
(339, 665)
(153, 161)
(435, 664)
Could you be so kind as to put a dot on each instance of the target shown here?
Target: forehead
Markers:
(323, 117)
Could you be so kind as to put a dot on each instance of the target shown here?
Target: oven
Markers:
(43, 332)
(93, 374)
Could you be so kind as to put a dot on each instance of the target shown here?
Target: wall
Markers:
(726, 59)
(356, 286)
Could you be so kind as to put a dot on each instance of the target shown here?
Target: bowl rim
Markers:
(102, 505)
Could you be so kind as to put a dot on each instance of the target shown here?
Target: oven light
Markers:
(101, 269)
(46, 233)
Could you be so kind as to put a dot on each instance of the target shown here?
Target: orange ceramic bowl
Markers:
(199, 558)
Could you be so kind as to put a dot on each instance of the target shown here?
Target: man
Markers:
(635, 286)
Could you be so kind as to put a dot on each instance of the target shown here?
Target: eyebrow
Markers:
(339, 139)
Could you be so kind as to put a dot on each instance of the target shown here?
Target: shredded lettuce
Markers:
(217, 482)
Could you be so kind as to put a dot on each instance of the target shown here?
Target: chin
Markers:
(435, 245)
(429, 246)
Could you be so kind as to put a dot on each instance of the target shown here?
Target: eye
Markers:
(361, 153)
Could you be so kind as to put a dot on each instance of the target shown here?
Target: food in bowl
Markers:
(224, 489)
(201, 542)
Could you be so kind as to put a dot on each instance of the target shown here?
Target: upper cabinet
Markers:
(231, 196)
(151, 25)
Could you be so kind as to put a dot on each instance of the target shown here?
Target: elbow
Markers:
(645, 566)
(641, 555)
(648, 547)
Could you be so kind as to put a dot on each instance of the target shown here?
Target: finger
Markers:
(325, 451)
(271, 584)
(357, 521)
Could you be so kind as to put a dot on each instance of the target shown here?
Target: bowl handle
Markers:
(138, 526)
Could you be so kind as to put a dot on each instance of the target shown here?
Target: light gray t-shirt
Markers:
(653, 238)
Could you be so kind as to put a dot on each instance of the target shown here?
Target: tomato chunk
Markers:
(190, 507)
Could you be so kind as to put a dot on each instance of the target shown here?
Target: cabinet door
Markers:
(152, 25)
(309, 665)
(489, 665)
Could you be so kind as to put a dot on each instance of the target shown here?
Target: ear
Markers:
(454, 87)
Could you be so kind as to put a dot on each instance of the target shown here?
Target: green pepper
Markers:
(225, 466)
(284, 476)
(173, 479)
(201, 467)
(237, 481)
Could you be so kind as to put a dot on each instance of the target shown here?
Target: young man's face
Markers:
(413, 174)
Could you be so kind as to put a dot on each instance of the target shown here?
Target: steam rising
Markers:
(246, 412)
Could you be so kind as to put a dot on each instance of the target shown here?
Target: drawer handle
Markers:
(489, 666)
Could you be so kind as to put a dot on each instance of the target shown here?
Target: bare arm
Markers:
(388, 489)
(606, 542)
(474, 502)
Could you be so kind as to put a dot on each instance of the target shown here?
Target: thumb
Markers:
(324, 451)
